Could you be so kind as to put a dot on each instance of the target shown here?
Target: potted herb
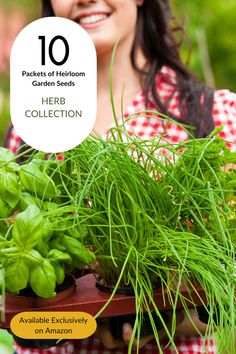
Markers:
(173, 228)
(40, 242)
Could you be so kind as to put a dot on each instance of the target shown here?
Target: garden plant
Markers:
(155, 214)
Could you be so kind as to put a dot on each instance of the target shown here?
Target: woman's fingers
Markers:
(105, 335)
(127, 333)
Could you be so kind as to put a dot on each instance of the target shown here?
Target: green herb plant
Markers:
(165, 220)
(151, 218)
(39, 240)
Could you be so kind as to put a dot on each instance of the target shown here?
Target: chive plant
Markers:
(150, 221)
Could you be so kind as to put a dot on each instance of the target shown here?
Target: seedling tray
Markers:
(87, 298)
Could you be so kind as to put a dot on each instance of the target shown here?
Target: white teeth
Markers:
(92, 19)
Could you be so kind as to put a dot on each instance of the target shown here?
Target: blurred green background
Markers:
(208, 48)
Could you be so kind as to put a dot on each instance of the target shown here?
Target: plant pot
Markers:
(103, 286)
(31, 301)
(36, 343)
(204, 315)
(116, 323)
(27, 298)
(64, 291)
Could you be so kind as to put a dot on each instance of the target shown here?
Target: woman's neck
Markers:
(125, 81)
(124, 76)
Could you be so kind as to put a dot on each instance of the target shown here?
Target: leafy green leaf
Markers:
(16, 275)
(7, 252)
(28, 228)
(2, 239)
(5, 209)
(42, 248)
(56, 243)
(34, 258)
(50, 206)
(60, 257)
(3, 227)
(77, 250)
(12, 167)
(27, 199)
(5, 155)
(78, 231)
(10, 188)
(47, 230)
(37, 182)
(43, 280)
(4, 244)
(60, 273)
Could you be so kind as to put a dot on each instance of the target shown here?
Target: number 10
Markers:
(50, 50)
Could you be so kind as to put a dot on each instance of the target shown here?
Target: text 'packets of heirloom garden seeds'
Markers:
(53, 84)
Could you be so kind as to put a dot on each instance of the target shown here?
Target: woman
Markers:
(149, 70)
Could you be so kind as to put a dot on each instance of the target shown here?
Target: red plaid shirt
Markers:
(224, 114)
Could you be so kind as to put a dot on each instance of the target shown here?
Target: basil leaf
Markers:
(47, 230)
(42, 248)
(58, 256)
(60, 273)
(40, 163)
(12, 167)
(10, 188)
(50, 206)
(27, 199)
(77, 250)
(5, 155)
(9, 253)
(37, 182)
(16, 275)
(56, 243)
(43, 280)
(34, 258)
(5, 209)
(3, 227)
(78, 231)
(28, 228)
(4, 244)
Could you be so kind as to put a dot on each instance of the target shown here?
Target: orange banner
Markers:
(53, 325)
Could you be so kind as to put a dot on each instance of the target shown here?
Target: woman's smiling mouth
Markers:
(91, 19)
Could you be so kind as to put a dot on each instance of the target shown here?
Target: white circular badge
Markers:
(53, 84)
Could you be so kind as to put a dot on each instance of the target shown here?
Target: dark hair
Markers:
(157, 40)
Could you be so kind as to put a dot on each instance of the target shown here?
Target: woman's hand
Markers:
(184, 327)
(105, 335)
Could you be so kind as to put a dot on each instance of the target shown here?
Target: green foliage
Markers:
(36, 225)
(217, 19)
(149, 219)
(6, 340)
